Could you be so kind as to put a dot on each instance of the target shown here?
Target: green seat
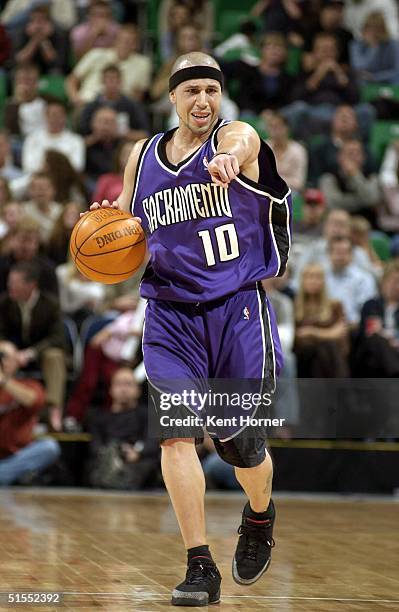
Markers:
(381, 134)
(293, 64)
(228, 15)
(372, 91)
(53, 85)
(297, 207)
(230, 22)
(257, 124)
(381, 245)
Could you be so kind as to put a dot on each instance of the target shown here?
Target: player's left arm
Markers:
(237, 151)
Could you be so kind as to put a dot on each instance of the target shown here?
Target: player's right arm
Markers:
(123, 201)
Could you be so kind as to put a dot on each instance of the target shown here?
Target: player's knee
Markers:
(249, 455)
(177, 446)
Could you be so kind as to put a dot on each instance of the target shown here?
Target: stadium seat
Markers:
(53, 85)
(92, 325)
(73, 343)
(257, 124)
(297, 207)
(381, 134)
(381, 244)
(230, 22)
(372, 91)
(293, 65)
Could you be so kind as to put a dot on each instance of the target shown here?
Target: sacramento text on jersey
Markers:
(171, 206)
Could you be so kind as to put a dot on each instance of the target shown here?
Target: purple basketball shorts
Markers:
(227, 345)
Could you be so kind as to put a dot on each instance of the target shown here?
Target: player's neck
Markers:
(185, 138)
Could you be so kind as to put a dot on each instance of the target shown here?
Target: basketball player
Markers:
(217, 218)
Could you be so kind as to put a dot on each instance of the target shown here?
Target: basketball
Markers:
(107, 245)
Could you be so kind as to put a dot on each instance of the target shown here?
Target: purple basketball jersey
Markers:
(206, 241)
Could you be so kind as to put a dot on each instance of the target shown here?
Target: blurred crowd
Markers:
(80, 82)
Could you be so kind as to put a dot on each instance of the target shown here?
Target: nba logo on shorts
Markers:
(245, 313)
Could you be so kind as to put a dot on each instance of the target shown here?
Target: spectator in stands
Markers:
(389, 180)
(279, 16)
(321, 337)
(57, 247)
(8, 170)
(291, 156)
(68, 182)
(336, 225)
(25, 248)
(286, 404)
(116, 342)
(330, 20)
(123, 455)
(25, 112)
(31, 320)
(188, 39)
(375, 57)
(174, 14)
(11, 215)
(346, 281)
(41, 42)
(360, 237)
(79, 297)
(109, 185)
(62, 12)
(310, 227)
(350, 188)
(101, 144)
(133, 122)
(5, 193)
(240, 45)
(99, 30)
(322, 88)
(323, 154)
(42, 206)
(377, 351)
(266, 86)
(85, 81)
(20, 402)
(357, 11)
(54, 136)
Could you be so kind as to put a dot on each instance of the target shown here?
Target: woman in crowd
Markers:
(68, 183)
(375, 57)
(321, 336)
(57, 247)
(10, 217)
(291, 156)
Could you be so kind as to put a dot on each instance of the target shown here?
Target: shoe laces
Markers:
(198, 570)
(253, 537)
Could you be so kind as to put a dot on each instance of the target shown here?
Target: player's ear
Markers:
(172, 96)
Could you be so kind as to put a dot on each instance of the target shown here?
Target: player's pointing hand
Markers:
(223, 168)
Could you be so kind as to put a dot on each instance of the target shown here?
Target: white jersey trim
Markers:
(138, 173)
(262, 192)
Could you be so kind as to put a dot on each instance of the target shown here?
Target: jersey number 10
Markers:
(227, 243)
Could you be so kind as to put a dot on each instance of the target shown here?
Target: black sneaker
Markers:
(254, 547)
(201, 586)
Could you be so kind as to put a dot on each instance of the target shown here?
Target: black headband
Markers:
(195, 72)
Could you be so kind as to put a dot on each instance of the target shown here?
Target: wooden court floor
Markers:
(118, 552)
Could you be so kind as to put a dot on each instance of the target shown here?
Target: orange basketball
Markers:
(107, 245)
